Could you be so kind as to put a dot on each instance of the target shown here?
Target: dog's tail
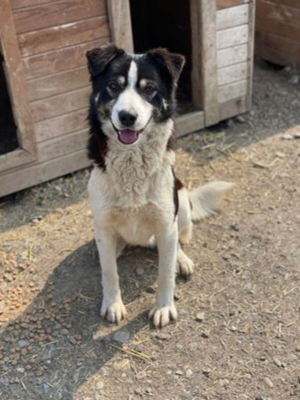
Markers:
(206, 200)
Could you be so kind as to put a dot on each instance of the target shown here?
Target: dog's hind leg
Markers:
(185, 265)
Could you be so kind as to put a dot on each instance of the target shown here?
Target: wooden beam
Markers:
(204, 59)
(120, 23)
(188, 123)
(251, 38)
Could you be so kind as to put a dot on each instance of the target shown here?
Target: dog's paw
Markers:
(185, 266)
(162, 315)
(114, 312)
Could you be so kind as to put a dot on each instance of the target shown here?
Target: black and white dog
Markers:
(135, 197)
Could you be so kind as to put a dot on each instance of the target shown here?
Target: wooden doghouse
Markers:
(44, 80)
(277, 33)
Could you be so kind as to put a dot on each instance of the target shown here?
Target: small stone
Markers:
(280, 155)
(72, 340)
(122, 336)
(150, 289)
(148, 390)
(205, 335)
(224, 382)
(176, 295)
(162, 336)
(295, 79)
(206, 372)
(260, 397)
(39, 372)
(179, 372)
(286, 136)
(240, 119)
(297, 348)
(141, 375)
(296, 135)
(268, 382)
(188, 373)
(23, 343)
(277, 362)
(100, 385)
(140, 271)
(45, 388)
(21, 370)
(200, 316)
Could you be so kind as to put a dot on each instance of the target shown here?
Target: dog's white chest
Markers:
(134, 225)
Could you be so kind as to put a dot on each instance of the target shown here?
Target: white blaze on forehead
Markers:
(132, 74)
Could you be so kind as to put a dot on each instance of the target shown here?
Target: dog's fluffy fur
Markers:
(135, 197)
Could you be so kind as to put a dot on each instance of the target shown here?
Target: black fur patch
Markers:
(177, 186)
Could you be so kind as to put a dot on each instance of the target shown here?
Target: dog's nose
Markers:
(127, 118)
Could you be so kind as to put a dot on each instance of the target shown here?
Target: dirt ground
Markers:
(238, 332)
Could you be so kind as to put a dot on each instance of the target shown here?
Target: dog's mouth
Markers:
(127, 136)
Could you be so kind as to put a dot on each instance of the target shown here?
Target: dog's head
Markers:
(131, 92)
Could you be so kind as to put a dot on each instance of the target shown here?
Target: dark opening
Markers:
(165, 23)
(8, 129)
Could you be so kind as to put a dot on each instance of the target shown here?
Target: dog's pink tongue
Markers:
(127, 136)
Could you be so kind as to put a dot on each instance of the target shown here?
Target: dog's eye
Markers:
(113, 86)
(149, 89)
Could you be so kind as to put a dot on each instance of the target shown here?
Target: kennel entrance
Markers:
(17, 143)
(216, 37)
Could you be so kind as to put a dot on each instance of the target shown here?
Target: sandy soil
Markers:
(238, 333)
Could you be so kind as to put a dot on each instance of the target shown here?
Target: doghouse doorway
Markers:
(8, 128)
(166, 23)
(181, 26)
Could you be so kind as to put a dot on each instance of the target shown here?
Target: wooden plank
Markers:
(63, 36)
(278, 12)
(61, 146)
(277, 49)
(59, 105)
(232, 55)
(230, 17)
(16, 4)
(233, 73)
(58, 126)
(59, 60)
(52, 14)
(278, 28)
(208, 60)
(53, 85)
(196, 64)
(17, 88)
(232, 108)
(229, 3)
(190, 122)
(232, 37)
(232, 91)
(120, 23)
(290, 3)
(27, 177)
(251, 33)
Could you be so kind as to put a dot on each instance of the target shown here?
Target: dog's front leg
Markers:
(112, 305)
(164, 309)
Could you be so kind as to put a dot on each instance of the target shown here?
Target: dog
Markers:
(134, 194)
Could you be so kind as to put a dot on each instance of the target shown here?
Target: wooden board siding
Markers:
(277, 37)
(235, 57)
(57, 13)
(53, 38)
(230, 3)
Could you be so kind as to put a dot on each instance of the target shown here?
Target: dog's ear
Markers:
(100, 57)
(172, 62)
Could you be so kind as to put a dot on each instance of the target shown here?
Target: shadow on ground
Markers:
(59, 336)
